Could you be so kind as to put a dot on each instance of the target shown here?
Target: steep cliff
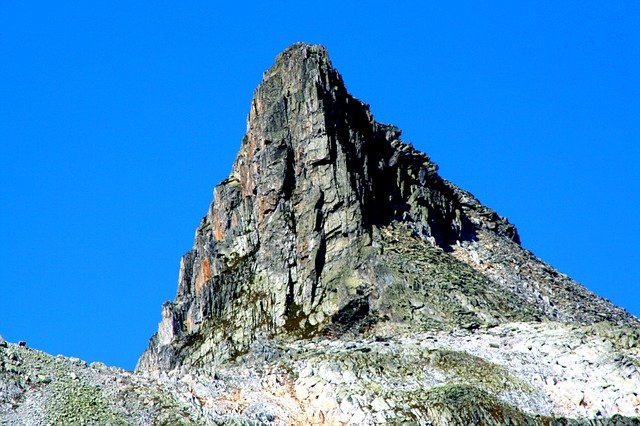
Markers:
(296, 241)
(338, 279)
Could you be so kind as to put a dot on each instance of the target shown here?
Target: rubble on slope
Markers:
(338, 279)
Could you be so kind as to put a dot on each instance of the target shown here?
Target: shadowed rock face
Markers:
(294, 241)
(337, 279)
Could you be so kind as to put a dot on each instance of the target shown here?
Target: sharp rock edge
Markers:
(338, 279)
(294, 241)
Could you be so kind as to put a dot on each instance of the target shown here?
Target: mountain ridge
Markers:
(338, 279)
(316, 175)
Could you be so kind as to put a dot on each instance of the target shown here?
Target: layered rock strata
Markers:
(338, 279)
(293, 241)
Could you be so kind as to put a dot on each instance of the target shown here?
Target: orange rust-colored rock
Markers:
(188, 324)
(203, 275)
(218, 232)
(252, 148)
(246, 181)
(266, 205)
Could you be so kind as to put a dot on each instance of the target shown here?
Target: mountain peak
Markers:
(301, 52)
(329, 224)
(300, 85)
(300, 61)
(298, 65)
(338, 279)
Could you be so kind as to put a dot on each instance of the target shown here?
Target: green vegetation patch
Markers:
(456, 404)
(297, 325)
(622, 337)
(77, 403)
(430, 286)
(470, 369)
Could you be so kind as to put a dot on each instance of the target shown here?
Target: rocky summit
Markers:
(338, 279)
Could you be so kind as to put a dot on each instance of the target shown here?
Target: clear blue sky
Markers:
(116, 122)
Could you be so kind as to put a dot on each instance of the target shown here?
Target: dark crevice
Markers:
(352, 312)
(355, 316)
(319, 222)
(289, 299)
(319, 262)
(289, 181)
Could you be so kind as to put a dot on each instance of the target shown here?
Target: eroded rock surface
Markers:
(292, 241)
(520, 373)
(338, 279)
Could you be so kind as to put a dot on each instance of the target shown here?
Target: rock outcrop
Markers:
(338, 279)
(547, 373)
(294, 240)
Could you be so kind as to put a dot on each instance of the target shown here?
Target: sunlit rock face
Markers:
(292, 241)
(337, 279)
(331, 237)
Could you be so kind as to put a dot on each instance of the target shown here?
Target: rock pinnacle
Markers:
(300, 238)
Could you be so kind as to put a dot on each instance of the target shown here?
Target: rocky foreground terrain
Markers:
(515, 373)
(338, 279)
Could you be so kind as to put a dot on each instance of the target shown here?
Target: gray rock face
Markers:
(337, 279)
(294, 241)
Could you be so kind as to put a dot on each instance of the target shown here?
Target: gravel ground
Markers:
(523, 373)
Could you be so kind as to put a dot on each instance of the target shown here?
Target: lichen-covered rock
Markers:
(337, 279)
(39, 389)
(293, 241)
(537, 373)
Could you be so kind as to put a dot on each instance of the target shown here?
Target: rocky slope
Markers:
(294, 233)
(40, 389)
(522, 373)
(291, 243)
(338, 279)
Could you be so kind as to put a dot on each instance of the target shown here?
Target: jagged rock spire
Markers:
(291, 243)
